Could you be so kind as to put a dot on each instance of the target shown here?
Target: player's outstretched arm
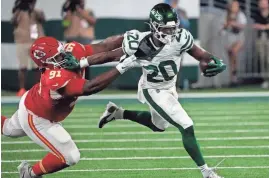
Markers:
(101, 58)
(100, 82)
(80, 87)
(214, 65)
(108, 44)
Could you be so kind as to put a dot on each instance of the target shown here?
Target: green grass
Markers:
(251, 88)
(241, 133)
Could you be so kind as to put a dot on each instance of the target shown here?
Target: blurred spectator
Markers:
(233, 30)
(182, 15)
(27, 23)
(78, 22)
(262, 41)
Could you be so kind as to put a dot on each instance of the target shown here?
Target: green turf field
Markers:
(237, 129)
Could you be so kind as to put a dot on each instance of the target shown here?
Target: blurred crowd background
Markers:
(235, 30)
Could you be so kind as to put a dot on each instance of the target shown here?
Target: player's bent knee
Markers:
(73, 157)
(10, 131)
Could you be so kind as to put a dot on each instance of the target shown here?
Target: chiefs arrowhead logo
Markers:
(39, 54)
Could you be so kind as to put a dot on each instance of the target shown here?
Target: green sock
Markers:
(141, 117)
(191, 145)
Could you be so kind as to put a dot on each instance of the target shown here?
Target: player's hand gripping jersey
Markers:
(160, 65)
(44, 99)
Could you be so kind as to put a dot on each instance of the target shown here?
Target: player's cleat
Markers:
(21, 92)
(111, 113)
(211, 173)
(25, 170)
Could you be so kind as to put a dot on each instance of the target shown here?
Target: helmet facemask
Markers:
(58, 60)
(164, 33)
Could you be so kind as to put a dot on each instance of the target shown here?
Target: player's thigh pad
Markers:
(12, 127)
(49, 135)
(68, 147)
(54, 138)
(167, 106)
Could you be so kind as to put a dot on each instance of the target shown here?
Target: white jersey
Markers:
(160, 65)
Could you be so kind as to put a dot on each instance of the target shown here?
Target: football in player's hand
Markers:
(204, 65)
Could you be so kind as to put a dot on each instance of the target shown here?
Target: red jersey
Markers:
(44, 100)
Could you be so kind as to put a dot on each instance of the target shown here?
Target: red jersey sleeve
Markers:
(88, 50)
(75, 87)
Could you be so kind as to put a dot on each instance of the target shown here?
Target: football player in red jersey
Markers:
(53, 99)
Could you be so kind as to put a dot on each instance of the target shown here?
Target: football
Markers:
(204, 65)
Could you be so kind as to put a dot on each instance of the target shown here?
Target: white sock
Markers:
(32, 173)
(203, 168)
(119, 114)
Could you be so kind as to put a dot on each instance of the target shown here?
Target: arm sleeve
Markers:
(74, 87)
(186, 41)
(131, 41)
(88, 50)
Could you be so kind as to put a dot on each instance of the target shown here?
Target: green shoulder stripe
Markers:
(188, 47)
(186, 44)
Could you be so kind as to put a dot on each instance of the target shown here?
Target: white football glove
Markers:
(126, 63)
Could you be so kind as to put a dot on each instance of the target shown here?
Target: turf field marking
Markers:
(192, 113)
(145, 140)
(143, 149)
(225, 118)
(88, 113)
(14, 99)
(149, 169)
(152, 158)
(204, 124)
(169, 132)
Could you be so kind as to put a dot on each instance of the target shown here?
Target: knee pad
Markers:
(9, 130)
(59, 133)
(73, 157)
(6, 130)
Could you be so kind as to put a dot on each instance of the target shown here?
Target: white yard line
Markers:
(143, 149)
(201, 113)
(14, 99)
(149, 169)
(152, 158)
(216, 110)
(204, 124)
(169, 132)
(88, 120)
(145, 140)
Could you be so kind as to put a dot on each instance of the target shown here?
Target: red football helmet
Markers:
(47, 52)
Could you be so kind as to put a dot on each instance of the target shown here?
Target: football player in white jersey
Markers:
(159, 52)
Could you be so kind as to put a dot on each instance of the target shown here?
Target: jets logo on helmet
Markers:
(39, 54)
(163, 22)
(156, 14)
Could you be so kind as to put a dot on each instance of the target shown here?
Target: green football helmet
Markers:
(163, 22)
